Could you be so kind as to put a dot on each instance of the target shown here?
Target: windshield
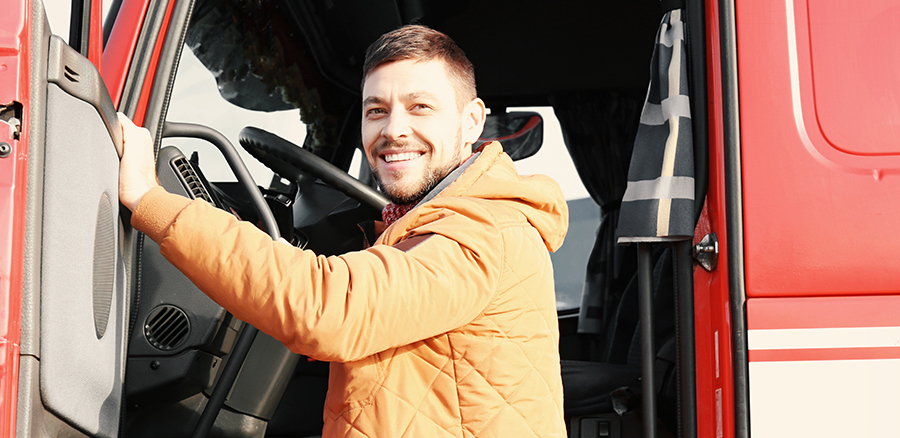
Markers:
(570, 260)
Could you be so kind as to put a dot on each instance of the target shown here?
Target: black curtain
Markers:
(599, 131)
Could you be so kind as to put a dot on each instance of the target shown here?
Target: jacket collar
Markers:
(369, 228)
(449, 179)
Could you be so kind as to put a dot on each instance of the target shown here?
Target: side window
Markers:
(570, 261)
(196, 99)
(59, 13)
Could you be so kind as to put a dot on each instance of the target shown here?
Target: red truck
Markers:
(779, 316)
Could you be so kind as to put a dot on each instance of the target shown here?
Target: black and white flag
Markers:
(658, 205)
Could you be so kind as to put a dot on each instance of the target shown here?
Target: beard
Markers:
(402, 192)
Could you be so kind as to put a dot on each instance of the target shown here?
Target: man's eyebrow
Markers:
(416, 95)
(372, 100)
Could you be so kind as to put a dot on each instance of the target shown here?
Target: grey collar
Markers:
(449, 179)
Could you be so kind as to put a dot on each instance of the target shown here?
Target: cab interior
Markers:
(585, 63)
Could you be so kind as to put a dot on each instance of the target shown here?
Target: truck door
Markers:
(819, 95)
(73, 290)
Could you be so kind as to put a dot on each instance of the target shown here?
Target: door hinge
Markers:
(11, 114)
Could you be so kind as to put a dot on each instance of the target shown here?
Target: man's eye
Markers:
(421, 106)
(375, 111)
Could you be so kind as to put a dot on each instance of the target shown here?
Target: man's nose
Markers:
(397, 126)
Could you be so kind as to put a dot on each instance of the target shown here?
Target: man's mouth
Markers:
(400, 156)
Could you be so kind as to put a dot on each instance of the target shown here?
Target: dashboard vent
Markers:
(167, 327)
(190, 179)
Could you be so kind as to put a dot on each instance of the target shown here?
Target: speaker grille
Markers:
(167, 327)
(104, 269)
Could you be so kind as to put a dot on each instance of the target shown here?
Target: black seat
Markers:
(588, 386)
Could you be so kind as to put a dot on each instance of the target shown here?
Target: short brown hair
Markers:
(423, 43)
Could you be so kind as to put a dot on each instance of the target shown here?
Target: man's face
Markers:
(412, 127)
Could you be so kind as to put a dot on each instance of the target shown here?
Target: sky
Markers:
(194, 85)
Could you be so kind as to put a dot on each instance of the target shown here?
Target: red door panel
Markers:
(824, 366)
(820, 210)
(15, 51)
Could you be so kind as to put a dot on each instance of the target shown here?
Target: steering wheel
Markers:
(291, 161)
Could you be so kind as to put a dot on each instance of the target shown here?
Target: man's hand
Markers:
(137, 169)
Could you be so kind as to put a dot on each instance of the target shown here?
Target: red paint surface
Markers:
(821, 174)
(95, 38)
(711, 293)
(151, 71)
(15, 53)
(817, 221)
(120, 47)
(807, 354)
(856, 97)
(823, 312)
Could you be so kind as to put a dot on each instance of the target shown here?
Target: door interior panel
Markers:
(76, 319)
(83, 293)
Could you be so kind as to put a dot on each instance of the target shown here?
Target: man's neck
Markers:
(393, 212)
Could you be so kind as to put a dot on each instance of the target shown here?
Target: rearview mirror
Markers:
(521, 133)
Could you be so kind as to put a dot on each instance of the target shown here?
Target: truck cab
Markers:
(771, 309)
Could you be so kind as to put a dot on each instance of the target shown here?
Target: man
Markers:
(446, 325)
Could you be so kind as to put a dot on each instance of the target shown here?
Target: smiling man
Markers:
(412, 128)
(446, 325)
(420, 113)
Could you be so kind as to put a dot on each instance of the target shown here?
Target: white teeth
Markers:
(390, 158)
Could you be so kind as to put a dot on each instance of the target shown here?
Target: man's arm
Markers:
(330, 308)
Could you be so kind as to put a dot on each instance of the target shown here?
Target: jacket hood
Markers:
(493, 176)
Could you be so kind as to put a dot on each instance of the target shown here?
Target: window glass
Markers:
(570, 261)
(59, 14)
(196, 99)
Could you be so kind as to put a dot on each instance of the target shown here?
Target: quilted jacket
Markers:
(445, 327)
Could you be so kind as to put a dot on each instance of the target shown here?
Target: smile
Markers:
(404, 156)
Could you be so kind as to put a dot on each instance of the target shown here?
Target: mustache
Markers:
(387, 145)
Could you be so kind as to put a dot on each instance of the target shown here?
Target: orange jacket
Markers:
(446, 326)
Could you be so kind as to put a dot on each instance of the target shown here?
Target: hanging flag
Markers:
(658, 205)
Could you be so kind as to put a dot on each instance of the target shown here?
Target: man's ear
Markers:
(474, 115)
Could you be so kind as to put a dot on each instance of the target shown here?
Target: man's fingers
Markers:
(132, 132)
(137, 169)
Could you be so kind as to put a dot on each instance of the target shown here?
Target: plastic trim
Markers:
(79, 26)
(234, 161)
(735, 222)
(79, 77)
(166, 69)
(248, 334)
(35, 123)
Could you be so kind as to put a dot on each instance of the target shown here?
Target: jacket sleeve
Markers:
(340, 308)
